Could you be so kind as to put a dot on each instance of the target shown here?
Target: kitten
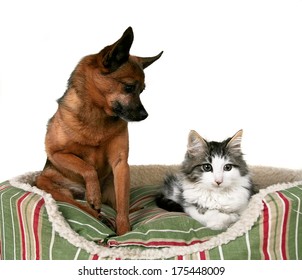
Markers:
(213, 185)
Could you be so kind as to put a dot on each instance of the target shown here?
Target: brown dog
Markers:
(87, 138)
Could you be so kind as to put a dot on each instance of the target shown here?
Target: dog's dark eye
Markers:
(228, 167)
(207, 167)
(129, 88)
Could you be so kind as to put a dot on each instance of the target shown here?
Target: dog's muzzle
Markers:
(130, 113)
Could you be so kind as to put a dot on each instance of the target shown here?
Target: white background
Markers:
(70, 269)
(226, 65)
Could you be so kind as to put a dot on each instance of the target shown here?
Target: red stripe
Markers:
(95, 257)
(37, 212)
(284, 225)
(153, 243)
(202, 255)
(265, 231)
(180, 258)
(23, 241)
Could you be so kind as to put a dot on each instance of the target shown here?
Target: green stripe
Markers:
(214, 254)
(273, 232)
(295, 223)
(84, 224)
(9, 224)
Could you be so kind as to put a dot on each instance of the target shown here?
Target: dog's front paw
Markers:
(122, 225)
(95, 205)
(93, 198)
(89, 210)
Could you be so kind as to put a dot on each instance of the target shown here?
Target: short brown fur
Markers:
(87, 138)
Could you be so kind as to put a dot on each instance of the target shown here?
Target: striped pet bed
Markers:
(34, 226)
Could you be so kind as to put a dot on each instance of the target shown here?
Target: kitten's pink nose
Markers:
(218, 182)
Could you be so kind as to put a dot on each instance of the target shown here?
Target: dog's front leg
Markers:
(121, 175)
(74, 164)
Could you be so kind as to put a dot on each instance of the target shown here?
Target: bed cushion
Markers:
(34, 226)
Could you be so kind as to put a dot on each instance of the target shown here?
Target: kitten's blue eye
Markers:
(207, 167)
(228, 167)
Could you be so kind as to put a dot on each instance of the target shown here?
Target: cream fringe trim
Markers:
(242, 226)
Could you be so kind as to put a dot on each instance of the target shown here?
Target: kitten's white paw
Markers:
(218, 221)
(233, 217)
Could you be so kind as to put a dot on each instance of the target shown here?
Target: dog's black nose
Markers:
(143, 114)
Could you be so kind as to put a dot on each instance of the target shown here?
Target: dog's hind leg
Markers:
(74, 166)
(62, 194)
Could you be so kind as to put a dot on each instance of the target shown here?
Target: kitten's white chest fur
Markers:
(230, 199)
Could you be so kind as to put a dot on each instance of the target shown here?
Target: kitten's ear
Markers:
(196, 144)
(235, 141)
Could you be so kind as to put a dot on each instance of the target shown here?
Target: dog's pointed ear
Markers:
(146, 61)
(113, 56)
